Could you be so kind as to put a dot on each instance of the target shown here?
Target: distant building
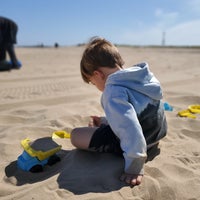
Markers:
(163, 38)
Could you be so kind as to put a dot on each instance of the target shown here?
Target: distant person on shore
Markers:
(8, 37)
(56, 45)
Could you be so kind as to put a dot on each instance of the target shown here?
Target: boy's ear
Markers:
(96, 73)
(99, 74)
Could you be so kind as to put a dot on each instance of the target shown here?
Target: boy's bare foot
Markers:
(132, 179)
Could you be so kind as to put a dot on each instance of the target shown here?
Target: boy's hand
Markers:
(94, 121)
(132, 179)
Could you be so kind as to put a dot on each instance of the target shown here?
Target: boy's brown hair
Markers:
(99, 53)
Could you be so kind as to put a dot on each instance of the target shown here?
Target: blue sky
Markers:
(133, 22)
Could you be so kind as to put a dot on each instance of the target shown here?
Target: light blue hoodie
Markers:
(131, 101)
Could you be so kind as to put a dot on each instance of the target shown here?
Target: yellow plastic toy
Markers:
(186, 113)
(192, 109)
(41, 155)
(60, 134)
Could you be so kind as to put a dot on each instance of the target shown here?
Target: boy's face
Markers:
(98, 79)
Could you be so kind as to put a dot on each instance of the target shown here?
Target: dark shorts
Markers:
(153, 123)
(104, 140)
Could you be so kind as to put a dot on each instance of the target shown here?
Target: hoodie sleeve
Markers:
(123, 120)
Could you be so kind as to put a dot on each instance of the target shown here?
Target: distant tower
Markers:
(163, 38)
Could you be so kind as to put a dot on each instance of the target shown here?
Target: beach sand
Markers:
(48, 94)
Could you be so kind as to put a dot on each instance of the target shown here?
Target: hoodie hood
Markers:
(137, 78)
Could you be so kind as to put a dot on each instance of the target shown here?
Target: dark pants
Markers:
(11, 52)
(8, 37)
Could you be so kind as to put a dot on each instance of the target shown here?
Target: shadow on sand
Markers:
(79, 171)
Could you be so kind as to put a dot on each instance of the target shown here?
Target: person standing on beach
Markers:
(134, 114)
(8, 37)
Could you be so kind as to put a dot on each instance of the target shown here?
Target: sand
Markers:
(48, 94)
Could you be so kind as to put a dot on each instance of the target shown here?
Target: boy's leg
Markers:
(81, 137)
(99, 139)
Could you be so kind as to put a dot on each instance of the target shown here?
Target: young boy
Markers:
(131, 99)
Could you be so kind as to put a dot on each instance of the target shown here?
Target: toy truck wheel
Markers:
(36, 168)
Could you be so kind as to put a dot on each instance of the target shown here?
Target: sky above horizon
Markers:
(130, 22)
